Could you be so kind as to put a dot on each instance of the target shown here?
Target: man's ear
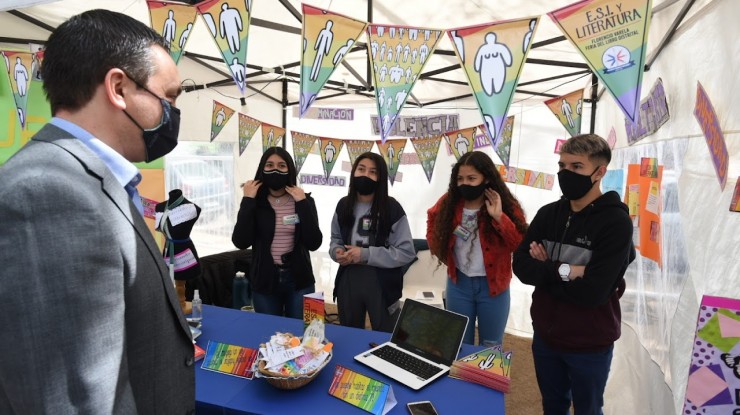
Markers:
(115, 84)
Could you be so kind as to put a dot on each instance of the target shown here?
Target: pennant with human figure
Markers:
(174, 21)
(228, 22)
(329, 150)
(392, 151)
(20, 70)
(503, 147)
(302, 144)
(612, 37)
(356, 147)
(327, 38)
(220, 116)
(397, 55)
(247, 127)
(272, 136)
(461, 141)
(427, 149)
(568, 109)
(492, 56)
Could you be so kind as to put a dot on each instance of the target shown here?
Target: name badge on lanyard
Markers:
(463, 233)
(291, 219)
(366, 222)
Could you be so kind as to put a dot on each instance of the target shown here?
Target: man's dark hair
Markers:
(83, 49)
(591, 145)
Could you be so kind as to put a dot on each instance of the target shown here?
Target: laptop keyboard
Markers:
(407, 362)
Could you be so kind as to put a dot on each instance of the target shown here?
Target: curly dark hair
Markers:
(509, 204)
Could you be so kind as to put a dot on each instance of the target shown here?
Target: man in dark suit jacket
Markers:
(89, 316)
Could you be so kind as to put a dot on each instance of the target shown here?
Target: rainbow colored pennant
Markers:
(397, 55)
(20, 71)
(461, 141)
(568, 109)
(174, 21)
(247, 127)
(611, 35)
(356, 147)
(492, 56)
(427, 149)
(327, 39)
(272, 136)
(392, 150)
(329, 150)
(503, 147)
(220, 115)
(228, 22)
(302, 144)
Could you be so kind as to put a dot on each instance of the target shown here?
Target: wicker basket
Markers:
(288, 382)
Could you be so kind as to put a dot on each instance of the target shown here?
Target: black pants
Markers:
(359, 292)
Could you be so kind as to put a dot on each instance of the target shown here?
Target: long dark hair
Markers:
(379, 209)
(509, 204)
(283, 154)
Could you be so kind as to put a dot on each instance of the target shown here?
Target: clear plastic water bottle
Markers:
(240, 292)
(197, 314)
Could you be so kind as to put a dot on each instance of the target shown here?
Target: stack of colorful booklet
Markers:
(489, 367)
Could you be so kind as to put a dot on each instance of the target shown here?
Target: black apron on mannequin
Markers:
(175, 218)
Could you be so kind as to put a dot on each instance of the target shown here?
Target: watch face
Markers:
(564, 270)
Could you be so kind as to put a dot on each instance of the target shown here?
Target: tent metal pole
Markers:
(669, 34)
(594, 100)
(285, 108)
(368, 73)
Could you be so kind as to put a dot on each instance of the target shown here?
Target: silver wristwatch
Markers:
(564, 271)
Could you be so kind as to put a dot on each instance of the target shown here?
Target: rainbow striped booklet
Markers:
(361, 391)
(230, 359)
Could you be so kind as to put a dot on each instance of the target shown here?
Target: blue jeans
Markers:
(470, 297)
(285, 300)
(566, 377)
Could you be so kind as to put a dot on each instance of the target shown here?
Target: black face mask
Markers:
(161, 139)
(574, 185)
(365, 185)
(275, 179)
(469, 192)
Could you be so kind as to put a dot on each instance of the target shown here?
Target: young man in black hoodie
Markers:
(575, 254)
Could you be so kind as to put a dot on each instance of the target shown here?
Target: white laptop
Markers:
(423, 346)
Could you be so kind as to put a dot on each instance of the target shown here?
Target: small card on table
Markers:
(361, 391)
(230, 359)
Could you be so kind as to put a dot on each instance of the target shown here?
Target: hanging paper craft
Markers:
(709, 123)
(20, 69)
(357, 147)
(247, 127)
(329, 150)
(503, 148)
(714, 373)
(228, 22)
(492, 56)
(391, 151)
(397, 55)
(302, 144)
(568, 110)
(461, 141)
(327, 38)
(272, 136)
(427, 149)
(611, 35)
(38, 59)
(220, 116)
(174, 21)
(735, 204)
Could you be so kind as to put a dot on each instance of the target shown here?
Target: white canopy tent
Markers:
(690, 41)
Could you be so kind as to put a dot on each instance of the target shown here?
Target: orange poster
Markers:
(648, 207)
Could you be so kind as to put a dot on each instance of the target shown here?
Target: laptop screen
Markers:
(429, 331)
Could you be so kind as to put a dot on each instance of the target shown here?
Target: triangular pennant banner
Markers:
(20, 70)
(228, 22)
(392, 150)
(427, 149)
(461, 141)
(38, 59)
(568, 109)
(611, 35)
(174, 21)
(397, 55)
(503, 147)
(302, 144)
(247, 127)
(330, 148)
(492, 56)
(272, 136)
(327, 38)
(356, 147)
(220, 116)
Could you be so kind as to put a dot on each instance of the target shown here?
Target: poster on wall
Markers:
(653, 114)
(492, 56)
(174, 22)
(644, 201)
(612, 37)
(713, 386)
(735, 204)
(707, 118)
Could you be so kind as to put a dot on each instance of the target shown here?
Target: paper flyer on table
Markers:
(229, 359)
(361, 391)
